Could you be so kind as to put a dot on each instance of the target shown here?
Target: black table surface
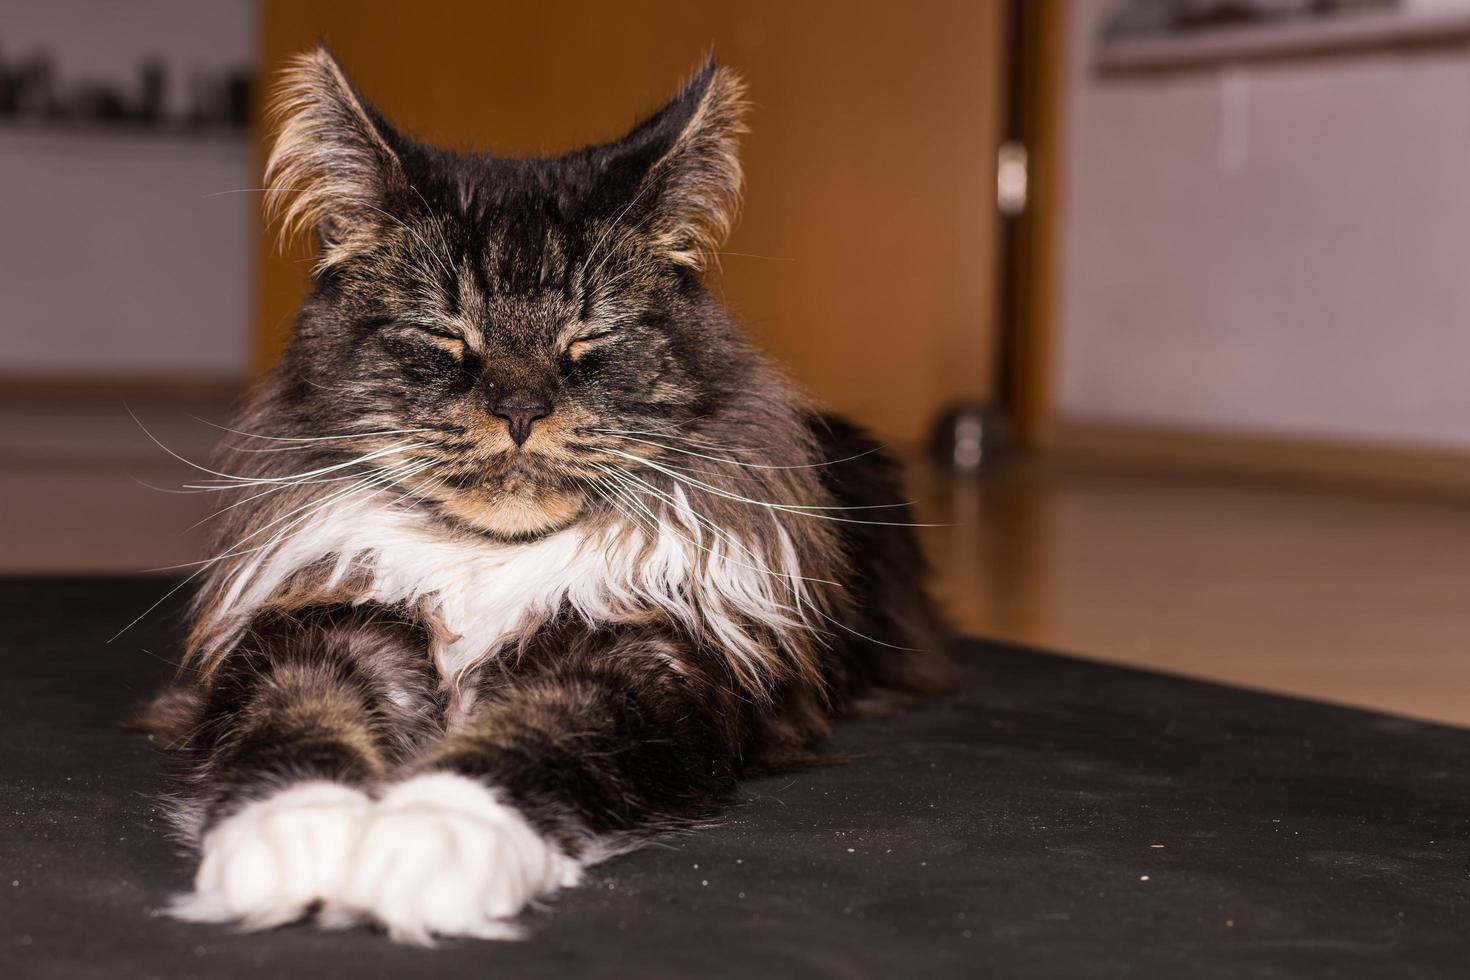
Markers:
(1054, 818)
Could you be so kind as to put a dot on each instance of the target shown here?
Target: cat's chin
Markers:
(518, 516)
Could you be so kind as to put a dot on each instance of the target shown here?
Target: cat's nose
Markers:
(520, 411)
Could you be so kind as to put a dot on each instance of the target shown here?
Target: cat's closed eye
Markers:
(422, 334)
(425, 355)
(582, 344)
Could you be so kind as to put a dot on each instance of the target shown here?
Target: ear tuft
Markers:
(331, 167)
(699, 177)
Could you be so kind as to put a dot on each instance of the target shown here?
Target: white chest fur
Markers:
(483, 594)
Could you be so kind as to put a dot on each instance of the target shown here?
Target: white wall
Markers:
(120, 255)
(1280, 248)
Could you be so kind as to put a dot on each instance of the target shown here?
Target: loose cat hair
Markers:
(527, 555)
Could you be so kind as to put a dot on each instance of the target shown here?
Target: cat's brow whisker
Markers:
(752, 255)
(438, 259)
(413, 233)
(437, 224)
(249, 190)
(582, 274)
(611, 285)
(235, 190)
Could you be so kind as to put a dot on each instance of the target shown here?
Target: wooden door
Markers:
(866, 256)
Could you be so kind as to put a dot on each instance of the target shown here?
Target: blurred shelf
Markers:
(1408, 27)
(49, 139)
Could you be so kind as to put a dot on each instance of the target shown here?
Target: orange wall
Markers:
(865, 259)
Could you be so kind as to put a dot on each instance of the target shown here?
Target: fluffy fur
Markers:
(443, 855)
(526, 554)
(278, 857)
(483, 598)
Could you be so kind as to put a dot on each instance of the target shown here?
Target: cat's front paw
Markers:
(274, 859)
(442, 856)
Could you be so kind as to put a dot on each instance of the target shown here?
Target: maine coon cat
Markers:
(528, 555)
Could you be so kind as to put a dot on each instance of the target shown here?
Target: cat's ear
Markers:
(690, 193)
(332, 168)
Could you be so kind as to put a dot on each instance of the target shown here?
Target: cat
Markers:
(528, 554)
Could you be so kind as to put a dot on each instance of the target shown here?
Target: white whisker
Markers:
(801, 510)
(204, 566)
(683, 507)
(313, 439)
(362, 483)
(691, 440)
(753, 466)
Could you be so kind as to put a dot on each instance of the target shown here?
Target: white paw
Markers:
(442, 856)
(269, 863)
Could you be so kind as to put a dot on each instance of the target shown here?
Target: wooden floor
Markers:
(1342, 596)
(1352, 598)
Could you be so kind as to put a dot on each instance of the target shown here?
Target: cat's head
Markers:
(518, 319)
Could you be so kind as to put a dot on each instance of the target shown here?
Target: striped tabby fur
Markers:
(529, 556)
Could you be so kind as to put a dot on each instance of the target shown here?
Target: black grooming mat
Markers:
(1055, 818)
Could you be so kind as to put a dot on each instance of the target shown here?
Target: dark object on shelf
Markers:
(1146, 37)
(153, 85)
(31, 97)
(28, 88)
(1147, 18)
(239, 89)
(971, 438)
(1007, 831)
